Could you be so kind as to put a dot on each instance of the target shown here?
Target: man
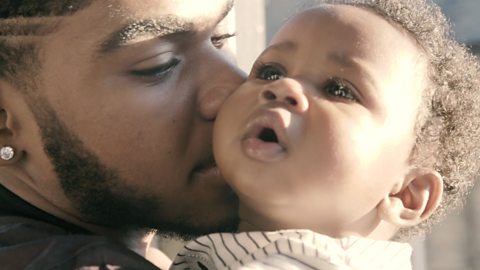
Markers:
(106, 111)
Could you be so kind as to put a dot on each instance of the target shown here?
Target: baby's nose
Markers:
(288, 92)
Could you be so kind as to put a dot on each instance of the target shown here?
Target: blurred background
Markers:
(455, 243)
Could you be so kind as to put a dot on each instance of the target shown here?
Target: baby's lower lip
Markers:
(263, 151)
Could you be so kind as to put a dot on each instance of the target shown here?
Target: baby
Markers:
(356, 123)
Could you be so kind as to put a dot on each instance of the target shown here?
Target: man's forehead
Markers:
(131, 9)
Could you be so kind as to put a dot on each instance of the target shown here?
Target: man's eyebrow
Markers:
(165, 25)
(226, 10)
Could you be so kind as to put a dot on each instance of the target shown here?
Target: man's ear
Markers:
(414, 201)
(8, 127)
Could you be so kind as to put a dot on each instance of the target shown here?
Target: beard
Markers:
(99, 194)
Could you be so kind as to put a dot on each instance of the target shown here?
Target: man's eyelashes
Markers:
(157, 71)
(219, 40)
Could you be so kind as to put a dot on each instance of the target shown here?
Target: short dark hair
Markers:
(448, 124)
(35, 8)
(21, 22)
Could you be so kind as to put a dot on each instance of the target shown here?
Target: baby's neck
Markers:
(253, 219)
(280, 218)
(245, 226)
(272, 218)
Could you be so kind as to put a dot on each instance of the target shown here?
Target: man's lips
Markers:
(266, 136)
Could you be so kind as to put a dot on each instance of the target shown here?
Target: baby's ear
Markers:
(414, 201)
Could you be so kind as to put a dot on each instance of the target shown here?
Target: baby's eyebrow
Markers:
(350, 61)
(287, 46)
(360, 67)
(283, 46)
(342, 59)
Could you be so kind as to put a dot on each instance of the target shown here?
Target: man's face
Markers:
(128, 92)
(322, 130)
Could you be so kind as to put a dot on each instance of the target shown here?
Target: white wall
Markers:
(250, 24)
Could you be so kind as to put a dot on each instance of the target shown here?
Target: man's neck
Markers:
(28, 203)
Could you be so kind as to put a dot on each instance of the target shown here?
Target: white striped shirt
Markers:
(291, 249)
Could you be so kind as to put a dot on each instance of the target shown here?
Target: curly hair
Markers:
(448, 122)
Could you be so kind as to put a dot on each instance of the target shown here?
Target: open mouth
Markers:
(268, 135)
(265, 141)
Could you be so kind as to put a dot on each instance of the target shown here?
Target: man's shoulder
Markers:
(27, 243)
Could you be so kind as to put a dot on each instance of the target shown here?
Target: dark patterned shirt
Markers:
(33, 239)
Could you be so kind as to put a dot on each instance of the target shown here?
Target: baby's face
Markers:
(322, 130)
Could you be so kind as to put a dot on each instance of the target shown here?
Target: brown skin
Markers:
(340, 165)
(124, 150)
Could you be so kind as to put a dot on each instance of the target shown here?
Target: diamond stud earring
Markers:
(7, 153)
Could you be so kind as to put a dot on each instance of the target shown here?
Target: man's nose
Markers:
(224, 77)
(287, 92)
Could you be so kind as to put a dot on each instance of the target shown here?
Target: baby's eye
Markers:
(269, 72)
(340, 89)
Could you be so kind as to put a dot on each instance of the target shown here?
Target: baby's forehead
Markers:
(353, 20)
(355, 31)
